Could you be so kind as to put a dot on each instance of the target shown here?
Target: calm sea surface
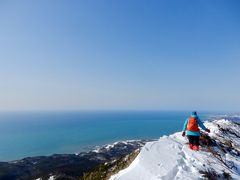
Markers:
(44, 133)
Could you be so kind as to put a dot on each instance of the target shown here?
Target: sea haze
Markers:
(24, 134)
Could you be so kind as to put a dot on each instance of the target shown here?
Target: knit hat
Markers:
(194, 114)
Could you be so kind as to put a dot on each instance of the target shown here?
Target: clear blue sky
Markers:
(120, 54)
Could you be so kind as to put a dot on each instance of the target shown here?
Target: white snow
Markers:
(51, 178)
(169, 158)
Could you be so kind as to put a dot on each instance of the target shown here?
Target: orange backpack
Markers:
(192, 124)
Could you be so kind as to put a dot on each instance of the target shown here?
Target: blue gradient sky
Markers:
(128, 54)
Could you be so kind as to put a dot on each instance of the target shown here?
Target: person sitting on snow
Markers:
(193, 132)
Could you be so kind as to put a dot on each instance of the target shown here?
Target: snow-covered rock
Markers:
(169, 158)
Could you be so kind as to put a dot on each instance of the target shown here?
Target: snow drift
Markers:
(170, 158)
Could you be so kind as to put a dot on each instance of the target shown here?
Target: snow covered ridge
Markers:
(169, 158)
(119, 145)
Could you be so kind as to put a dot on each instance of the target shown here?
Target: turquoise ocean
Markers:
(24, 134)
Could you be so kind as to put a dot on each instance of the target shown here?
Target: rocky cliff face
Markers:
(170, 158)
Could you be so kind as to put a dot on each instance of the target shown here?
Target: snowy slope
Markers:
(170, 158)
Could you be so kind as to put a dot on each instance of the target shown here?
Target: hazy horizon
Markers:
(119, 55)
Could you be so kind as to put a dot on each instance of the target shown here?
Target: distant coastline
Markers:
(45, 133)
(71, 166)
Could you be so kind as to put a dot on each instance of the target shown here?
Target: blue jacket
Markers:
(191, 133)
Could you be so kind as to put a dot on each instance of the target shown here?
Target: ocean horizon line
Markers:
(119, 110)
